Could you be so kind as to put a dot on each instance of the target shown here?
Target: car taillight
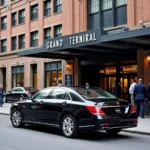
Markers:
(133, 109)
(28, 94)
(95, 110)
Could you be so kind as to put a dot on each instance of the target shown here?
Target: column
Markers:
(27, 15)
(117, 72)
(27, 74)
(8, 78)
(40, 74)
(77, 72)
(1, 75)
(140, 64)
(41, 23)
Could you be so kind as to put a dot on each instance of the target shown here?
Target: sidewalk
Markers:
(143, 124)
(5, 110)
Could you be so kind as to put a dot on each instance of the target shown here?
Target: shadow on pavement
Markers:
(92, 136)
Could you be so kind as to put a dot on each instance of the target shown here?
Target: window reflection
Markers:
(35, 80)
(54, 78)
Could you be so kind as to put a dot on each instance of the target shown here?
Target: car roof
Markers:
(72, 87)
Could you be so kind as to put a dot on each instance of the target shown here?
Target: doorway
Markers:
(125, 80)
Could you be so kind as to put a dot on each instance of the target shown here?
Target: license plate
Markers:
(118, 110)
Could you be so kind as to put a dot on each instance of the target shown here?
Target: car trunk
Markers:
(114, 107)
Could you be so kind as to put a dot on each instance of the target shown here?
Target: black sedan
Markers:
(20, 93)
(75, 110)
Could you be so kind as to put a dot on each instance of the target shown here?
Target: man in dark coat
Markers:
(140, 96)
(117, 90)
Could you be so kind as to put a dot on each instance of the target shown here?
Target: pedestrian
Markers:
(87, 85)
(140, 97)
(131, 91)
(117, 90)
(59, 82)
(1, 95)
(148, 93)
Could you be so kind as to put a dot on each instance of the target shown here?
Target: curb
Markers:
(136, 132)
(4, 114)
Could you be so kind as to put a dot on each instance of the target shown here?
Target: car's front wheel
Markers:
(16, 118)
(113, 131)
(68, 126)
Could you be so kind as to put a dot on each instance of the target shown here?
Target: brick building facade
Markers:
(28, 24)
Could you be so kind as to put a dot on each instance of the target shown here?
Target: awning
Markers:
(91, 44)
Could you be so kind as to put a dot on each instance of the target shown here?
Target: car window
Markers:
(60, 94)
(94, 93)
(75, 97)
(19, 90)
(43, 94)
(13, 90)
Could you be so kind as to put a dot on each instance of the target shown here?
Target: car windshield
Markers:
(30, 89)
(93, 93)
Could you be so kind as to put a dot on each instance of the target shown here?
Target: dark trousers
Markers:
(140, 108)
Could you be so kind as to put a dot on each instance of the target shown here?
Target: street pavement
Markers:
(42, 138)
(143, 125)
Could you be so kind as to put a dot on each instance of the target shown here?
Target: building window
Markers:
(47, 33)
(107, 4)
(3, 45)
(34, 12)
(14, 43)
(114, 13)
(94, 6)
(3, 2)
(53, 71)
(22, 16)
(17, 76)
(22, 41)
(34, 76)
(34, 39)
(4, 23)
(121, 2)
(14, 19)
(58, 31)
(57, 6)
(47, 8)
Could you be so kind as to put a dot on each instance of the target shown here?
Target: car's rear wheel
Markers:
(113, 131)
(68, 126)
(16, 118)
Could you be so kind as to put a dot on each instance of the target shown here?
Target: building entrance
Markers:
(108, 78)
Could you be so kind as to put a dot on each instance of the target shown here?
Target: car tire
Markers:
(113, 131)
(17, 118)
(68, 126)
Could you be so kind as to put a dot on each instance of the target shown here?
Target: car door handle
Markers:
(64, 103)
(40, 102)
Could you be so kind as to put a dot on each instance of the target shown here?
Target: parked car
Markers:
(20, 93)
(75, 110)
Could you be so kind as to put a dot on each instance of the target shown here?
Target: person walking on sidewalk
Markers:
(1, 95)
(131, 91)
(140, 96)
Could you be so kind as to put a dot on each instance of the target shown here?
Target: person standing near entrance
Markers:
(117, 90)
(87, 85)
(131, 91)
(140, 97)
(59, 82)
(1, 95)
